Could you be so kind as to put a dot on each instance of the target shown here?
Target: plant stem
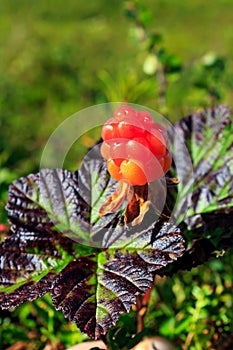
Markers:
(162, 86)
(141, 306)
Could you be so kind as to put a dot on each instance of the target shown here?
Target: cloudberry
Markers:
(135, 147)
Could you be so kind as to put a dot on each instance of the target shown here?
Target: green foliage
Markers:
(177, 85)
(36, 325)
(124, 335)
(194, 310)
(53, 63)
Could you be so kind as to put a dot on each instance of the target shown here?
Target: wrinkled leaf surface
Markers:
(93, 267)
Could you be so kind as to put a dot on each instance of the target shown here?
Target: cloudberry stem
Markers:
(137, 203)
(141, 307)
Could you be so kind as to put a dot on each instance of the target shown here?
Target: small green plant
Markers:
(173, 82)
(158, 61)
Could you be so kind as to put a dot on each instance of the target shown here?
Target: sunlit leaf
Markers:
(51, 214)
(207, 202)
(209, 138)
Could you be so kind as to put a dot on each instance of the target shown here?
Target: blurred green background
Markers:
(58, 57)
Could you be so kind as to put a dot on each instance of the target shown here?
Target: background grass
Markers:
(58, 57)
(53, 55)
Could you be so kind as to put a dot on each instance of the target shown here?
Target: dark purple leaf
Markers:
(107, 284)
(51, 214)
(206, 206)
(209, 138)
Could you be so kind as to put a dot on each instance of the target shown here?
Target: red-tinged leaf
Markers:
(208, 136)
(107, 283)
(92, 286)
(206, 206)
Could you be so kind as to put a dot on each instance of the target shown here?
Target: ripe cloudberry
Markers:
(135, 147)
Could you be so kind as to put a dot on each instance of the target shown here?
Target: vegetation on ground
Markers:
(58, 58)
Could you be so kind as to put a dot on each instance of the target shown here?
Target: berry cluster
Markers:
(135, 147)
